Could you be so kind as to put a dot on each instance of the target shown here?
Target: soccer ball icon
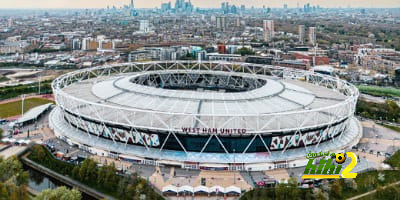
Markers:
(340, 158)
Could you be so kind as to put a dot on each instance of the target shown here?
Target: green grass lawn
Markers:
(379, 91)
(14, 108)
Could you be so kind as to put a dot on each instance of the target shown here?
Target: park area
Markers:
(379, 91)
(11, 109)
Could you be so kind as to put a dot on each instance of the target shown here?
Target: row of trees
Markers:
(292, 191)
(13, 180)
(15, 91)
(104, 178)
(280, 192)
(59, 193)
(389, 110)
(14, 183)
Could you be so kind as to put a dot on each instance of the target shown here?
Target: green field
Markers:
(379, 91)
(14, 108)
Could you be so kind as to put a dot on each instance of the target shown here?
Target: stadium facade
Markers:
(207, 115)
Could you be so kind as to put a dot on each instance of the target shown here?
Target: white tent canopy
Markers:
(170, 188)
(5, 140)
(233, 189)
(201, 188)
(185, 188)
(217, 188)
(33, 113)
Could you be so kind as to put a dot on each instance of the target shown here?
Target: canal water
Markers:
(39, 182)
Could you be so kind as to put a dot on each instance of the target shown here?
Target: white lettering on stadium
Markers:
(222, 131)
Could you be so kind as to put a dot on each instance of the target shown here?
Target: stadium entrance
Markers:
(279, 165)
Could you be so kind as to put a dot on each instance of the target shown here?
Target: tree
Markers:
(110, 177)
(83, 170)
(293, 190)
(379, 192)
(336, 190)
(101, 173)
(60, 193)
(351, 184)
(75, 172)
(91, 173)
(9, 168)
(244, 51)
(319, 194)
(390, 192)
(281, 191)
(38, 152)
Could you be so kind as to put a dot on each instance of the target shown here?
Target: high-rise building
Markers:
(223, 6)
(269, 30)
(132, 11)
(285, 6)
(237, 23)
(144, 26)
(165, 7)
(312, 36)
(302, 31)
(221, 22)
(85, 43)
(10, 22)
(76, 44)
(182, 6)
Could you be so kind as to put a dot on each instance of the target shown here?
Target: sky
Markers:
(198, 3)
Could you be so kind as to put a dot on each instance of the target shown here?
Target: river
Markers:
(39, 182)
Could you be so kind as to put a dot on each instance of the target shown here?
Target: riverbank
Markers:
(66, 180)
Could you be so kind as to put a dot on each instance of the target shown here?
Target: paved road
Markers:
(14, 150)
(378, 138)
(370, 98)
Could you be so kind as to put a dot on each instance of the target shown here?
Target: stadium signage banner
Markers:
(221, 131)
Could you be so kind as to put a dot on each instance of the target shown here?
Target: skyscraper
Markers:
(301, 34)
(144, 26)
(312, 36)
(132, 11)
(10, 22)
(237, 23)
(182, 6)
(221, 22)
(269, 31)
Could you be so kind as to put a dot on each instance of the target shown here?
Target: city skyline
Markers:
(45, 4)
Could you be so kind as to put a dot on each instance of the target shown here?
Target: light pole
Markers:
(393, 143)
(22, 105)
(40, 78)
(234, 164)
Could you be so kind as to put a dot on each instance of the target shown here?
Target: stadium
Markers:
(205, 115)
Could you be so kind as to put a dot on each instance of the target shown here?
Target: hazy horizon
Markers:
(47, 4)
